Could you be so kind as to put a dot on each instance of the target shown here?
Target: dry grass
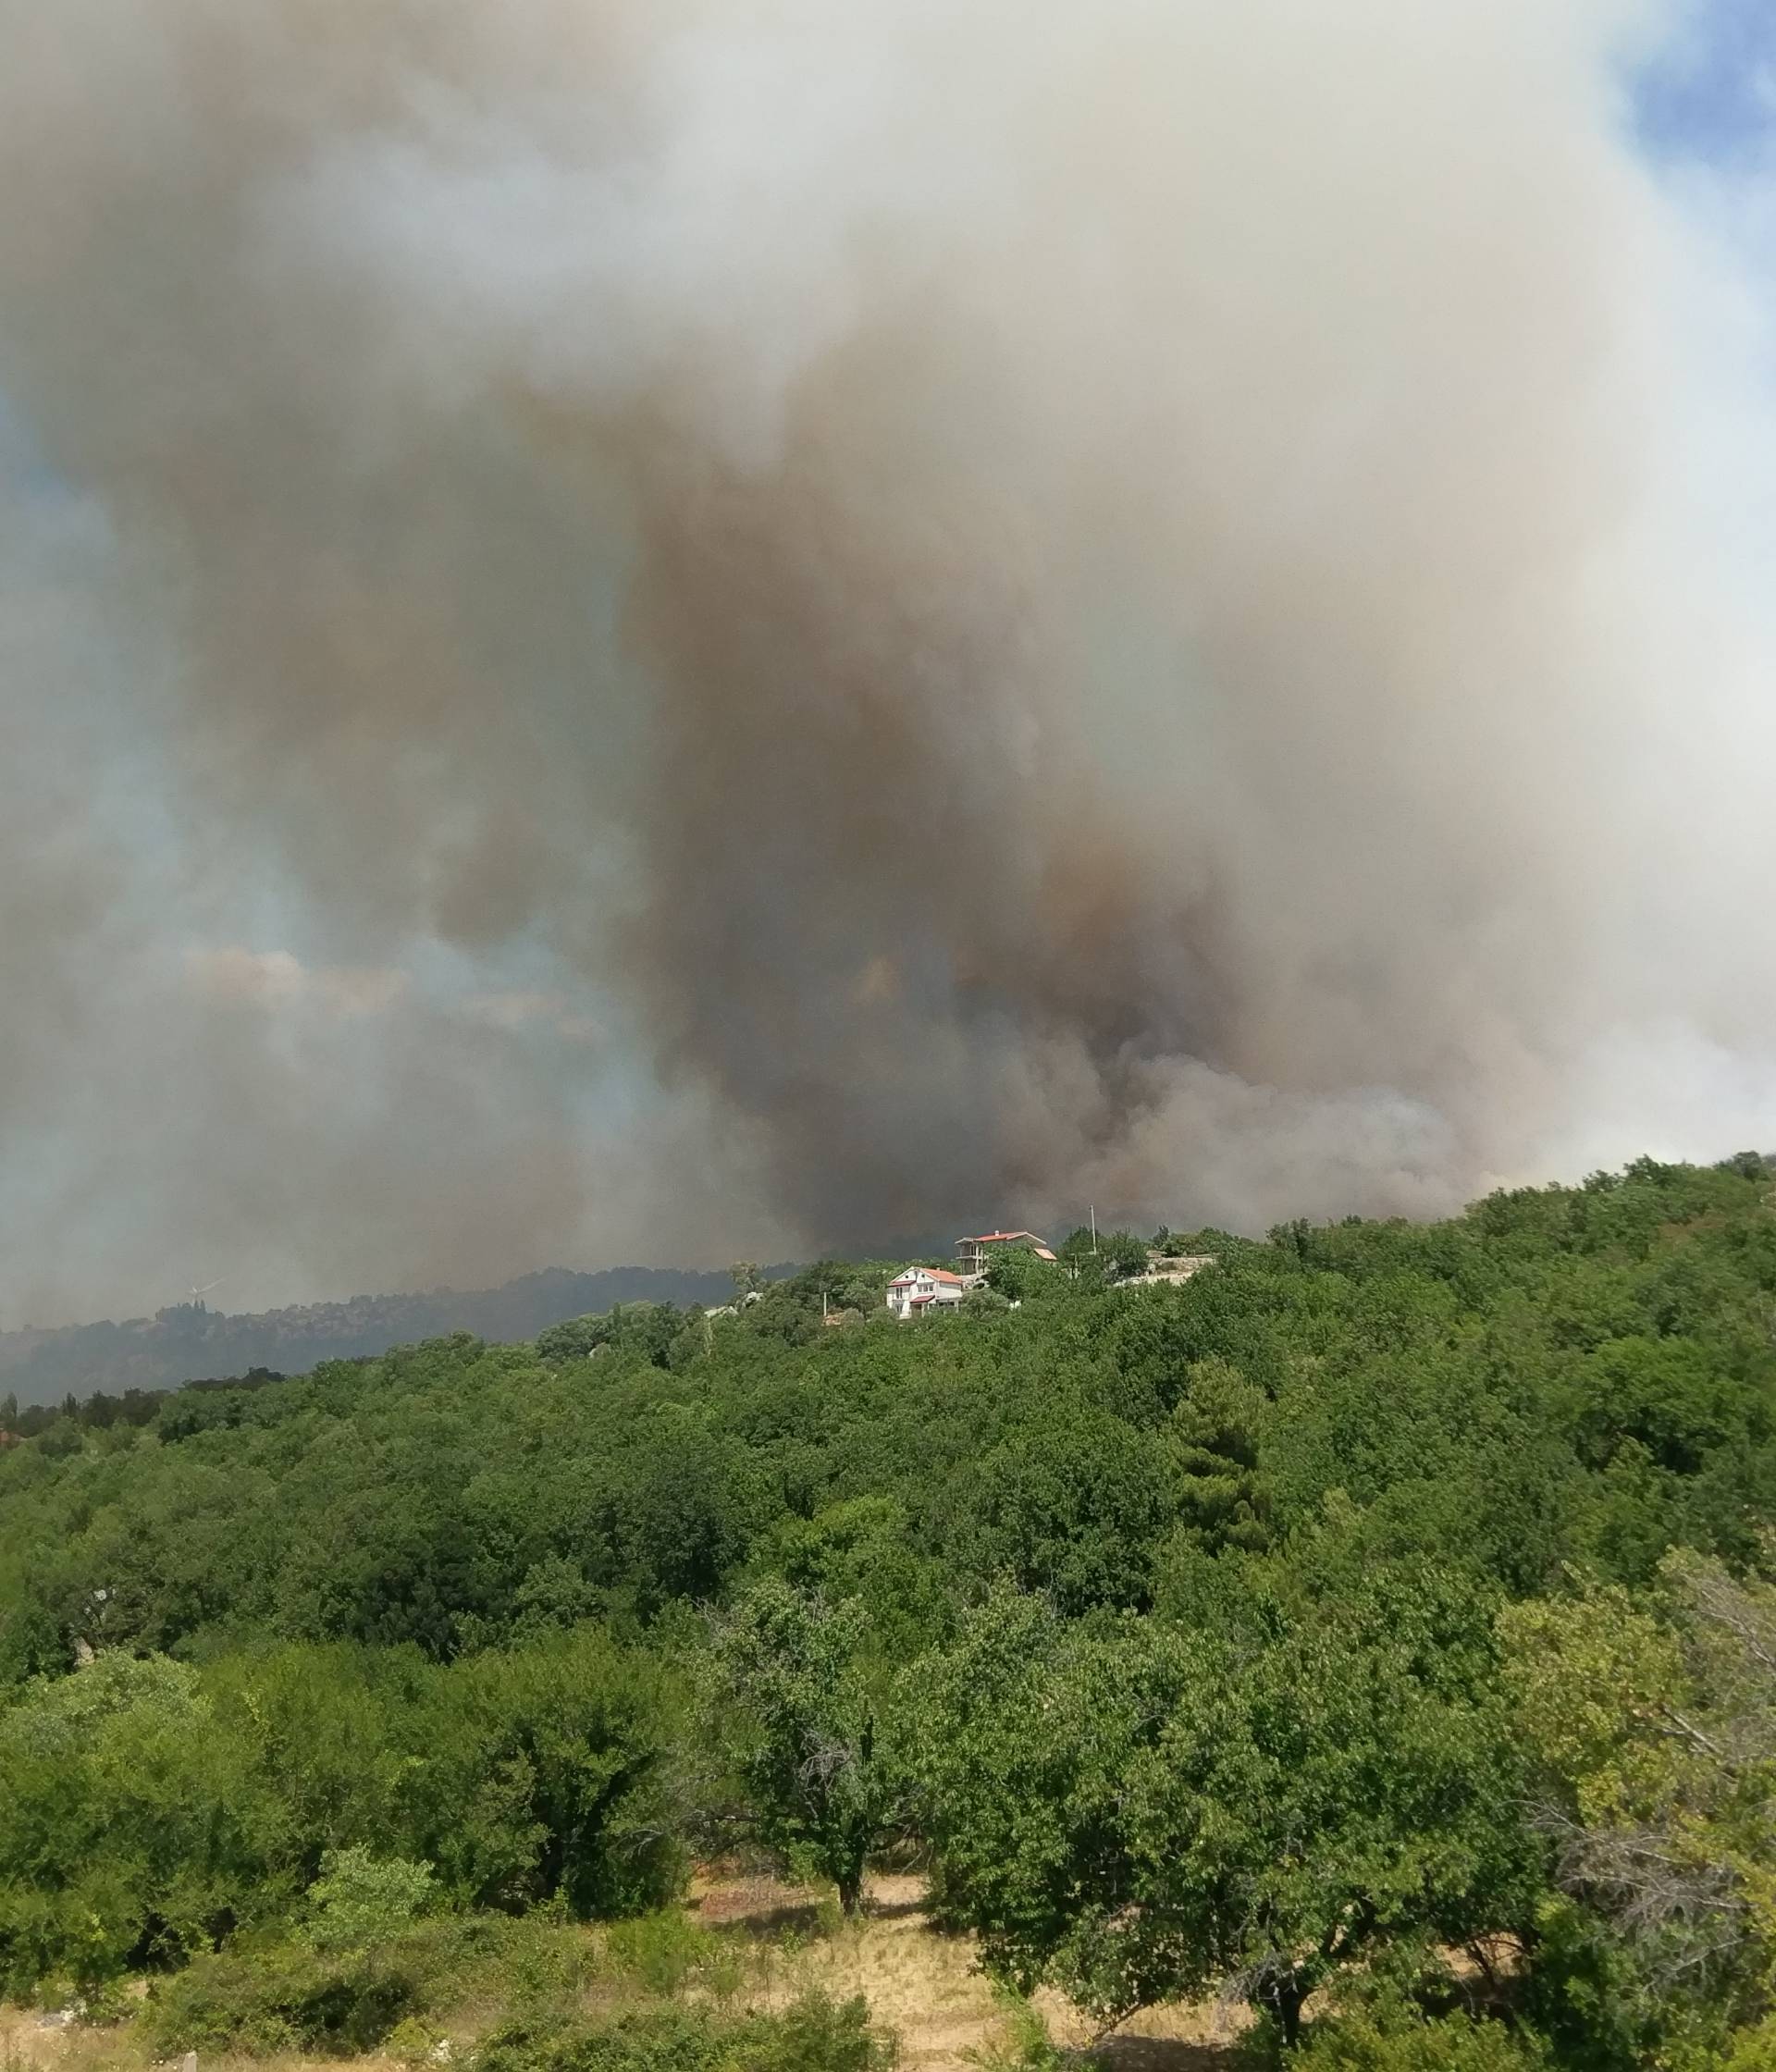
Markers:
(32, 2042)
(922, 1985)
(925, 1986)
(928, 1988)
(1159, 2039)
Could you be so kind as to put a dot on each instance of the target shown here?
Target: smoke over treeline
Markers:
(662, 629)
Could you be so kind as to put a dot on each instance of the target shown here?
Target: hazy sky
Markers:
(637, 632)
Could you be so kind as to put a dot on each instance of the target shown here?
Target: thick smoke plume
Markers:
(717, 626)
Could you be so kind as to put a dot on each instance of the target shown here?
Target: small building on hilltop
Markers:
(1171, 1270)
(922, 1288)
(974, 1255)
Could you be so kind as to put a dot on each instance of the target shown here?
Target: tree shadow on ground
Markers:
(1164, 2054)
(772, 1924)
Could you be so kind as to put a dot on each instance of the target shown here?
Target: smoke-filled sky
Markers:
(661, 630)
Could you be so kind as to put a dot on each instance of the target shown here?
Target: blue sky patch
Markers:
(1710, 93)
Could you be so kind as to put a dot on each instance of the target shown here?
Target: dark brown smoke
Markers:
(885, 884)
(710, 631)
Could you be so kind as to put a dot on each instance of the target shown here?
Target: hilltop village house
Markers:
(973, 1255)
(1168, 1271)
(921, 1289)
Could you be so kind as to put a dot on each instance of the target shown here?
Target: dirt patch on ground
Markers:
(921, 1984)
(929, 1988)
(1159, 2040)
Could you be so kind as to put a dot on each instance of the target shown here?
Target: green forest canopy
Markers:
(1381, 1611)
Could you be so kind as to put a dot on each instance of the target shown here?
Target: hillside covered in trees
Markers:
(190, 1341)
(1377, 1629)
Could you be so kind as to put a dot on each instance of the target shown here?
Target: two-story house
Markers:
(921, 1289)
(975, 1255)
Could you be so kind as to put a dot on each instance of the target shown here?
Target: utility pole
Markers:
(1094, 1229)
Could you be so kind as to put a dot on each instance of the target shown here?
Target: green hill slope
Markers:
(1337, 1535)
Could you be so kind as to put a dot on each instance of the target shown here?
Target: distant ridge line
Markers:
(187, 1342)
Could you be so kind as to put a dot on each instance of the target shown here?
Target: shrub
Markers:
(663, 1950)
(816, 2034)
(128, 1835)
(261, 1996)
(1398, 2042)
(279, 1997)
(359, 1899)
(412, 2041)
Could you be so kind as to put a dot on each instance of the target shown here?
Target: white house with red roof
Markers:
(920, 1290)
